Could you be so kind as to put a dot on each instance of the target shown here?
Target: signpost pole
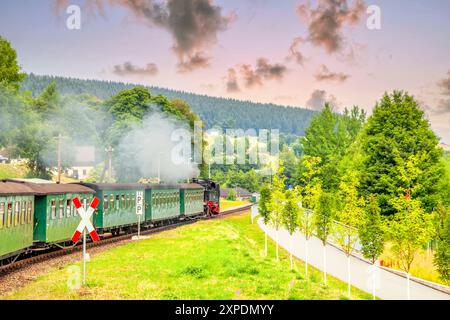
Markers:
(139, 226)
(84, 256)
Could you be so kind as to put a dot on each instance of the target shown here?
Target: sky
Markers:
(291, 52)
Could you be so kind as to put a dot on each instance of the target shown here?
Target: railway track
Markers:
(25, 262)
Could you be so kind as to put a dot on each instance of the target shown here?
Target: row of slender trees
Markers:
(365, 183)
(346, 219)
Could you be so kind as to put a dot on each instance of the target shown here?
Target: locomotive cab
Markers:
(211, 196)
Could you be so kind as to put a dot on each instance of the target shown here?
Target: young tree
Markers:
(323, 220)
(10, 75)
(312, 191)
(349, 218)
(277, 203)
(264, 211)
(290, 216)
(371, 234)
(409, 229)
(231, 195)
(442, 231)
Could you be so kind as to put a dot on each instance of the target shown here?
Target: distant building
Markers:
(240, 193)
(3, 159)
(84, 163)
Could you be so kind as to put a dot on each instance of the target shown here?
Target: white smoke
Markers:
(150, 145)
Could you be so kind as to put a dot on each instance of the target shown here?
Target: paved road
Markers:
(388, 286)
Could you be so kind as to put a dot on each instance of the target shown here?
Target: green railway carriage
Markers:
(16, 218)
(117, 207)
(162, 202)
(192, 199)
(55, 215)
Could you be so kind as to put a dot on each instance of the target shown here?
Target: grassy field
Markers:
(227, 204)
(12, 171)
(213, 259)
(422, 267)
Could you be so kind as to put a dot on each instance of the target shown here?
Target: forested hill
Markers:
(226, 113)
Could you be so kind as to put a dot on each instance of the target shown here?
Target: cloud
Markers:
(444, 84)
(190, 63)
(193, 24)
(264, 71)
(231, 81)
(294, 53)
(128, 69)
(325, 23)
(319, 98)
(442, 107)
(324, 74)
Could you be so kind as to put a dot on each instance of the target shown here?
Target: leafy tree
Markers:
(277, 203)
(265, 197)
(349, 217)
(10, 75)
(290, 215)
(290, 161)
(311, 182)
(231, 195)
(408, 230)
(371, 231)
(442, 254)
(328, 137)
(323, 220)
(396, 131)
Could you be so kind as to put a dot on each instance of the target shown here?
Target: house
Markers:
(3, 159)
(240, 193)
(84, 163)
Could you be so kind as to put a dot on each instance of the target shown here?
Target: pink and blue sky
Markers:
(292, 52)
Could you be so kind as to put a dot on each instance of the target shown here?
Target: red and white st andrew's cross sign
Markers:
(85, 219)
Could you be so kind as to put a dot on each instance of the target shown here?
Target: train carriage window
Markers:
(68, 208)
(23, 212)
(111, 201)
(123, 202)
(133, 200)
(2, 214)
(117, 201)
(29, 211)
(16, 213)
(105, 202)
(53, 209)
(10, 205)
(85, 203)
(128, 201)
(61, 208)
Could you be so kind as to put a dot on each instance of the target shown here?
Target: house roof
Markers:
(240, 192)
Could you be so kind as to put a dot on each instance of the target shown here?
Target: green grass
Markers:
(227, 204)
(12, 171)
(214, 259)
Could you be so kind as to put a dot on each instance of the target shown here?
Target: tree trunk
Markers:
(408, 288)
(265, 243)
(348, 277)
(325, 264)
(373, 280)
(277, 246)
(306, 258)
(292, 262)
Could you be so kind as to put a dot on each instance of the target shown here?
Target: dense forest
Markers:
(225, 113)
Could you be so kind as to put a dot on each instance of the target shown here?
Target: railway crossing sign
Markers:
(85, 222)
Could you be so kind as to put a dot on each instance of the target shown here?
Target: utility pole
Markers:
(59, 158)
(110, 151)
